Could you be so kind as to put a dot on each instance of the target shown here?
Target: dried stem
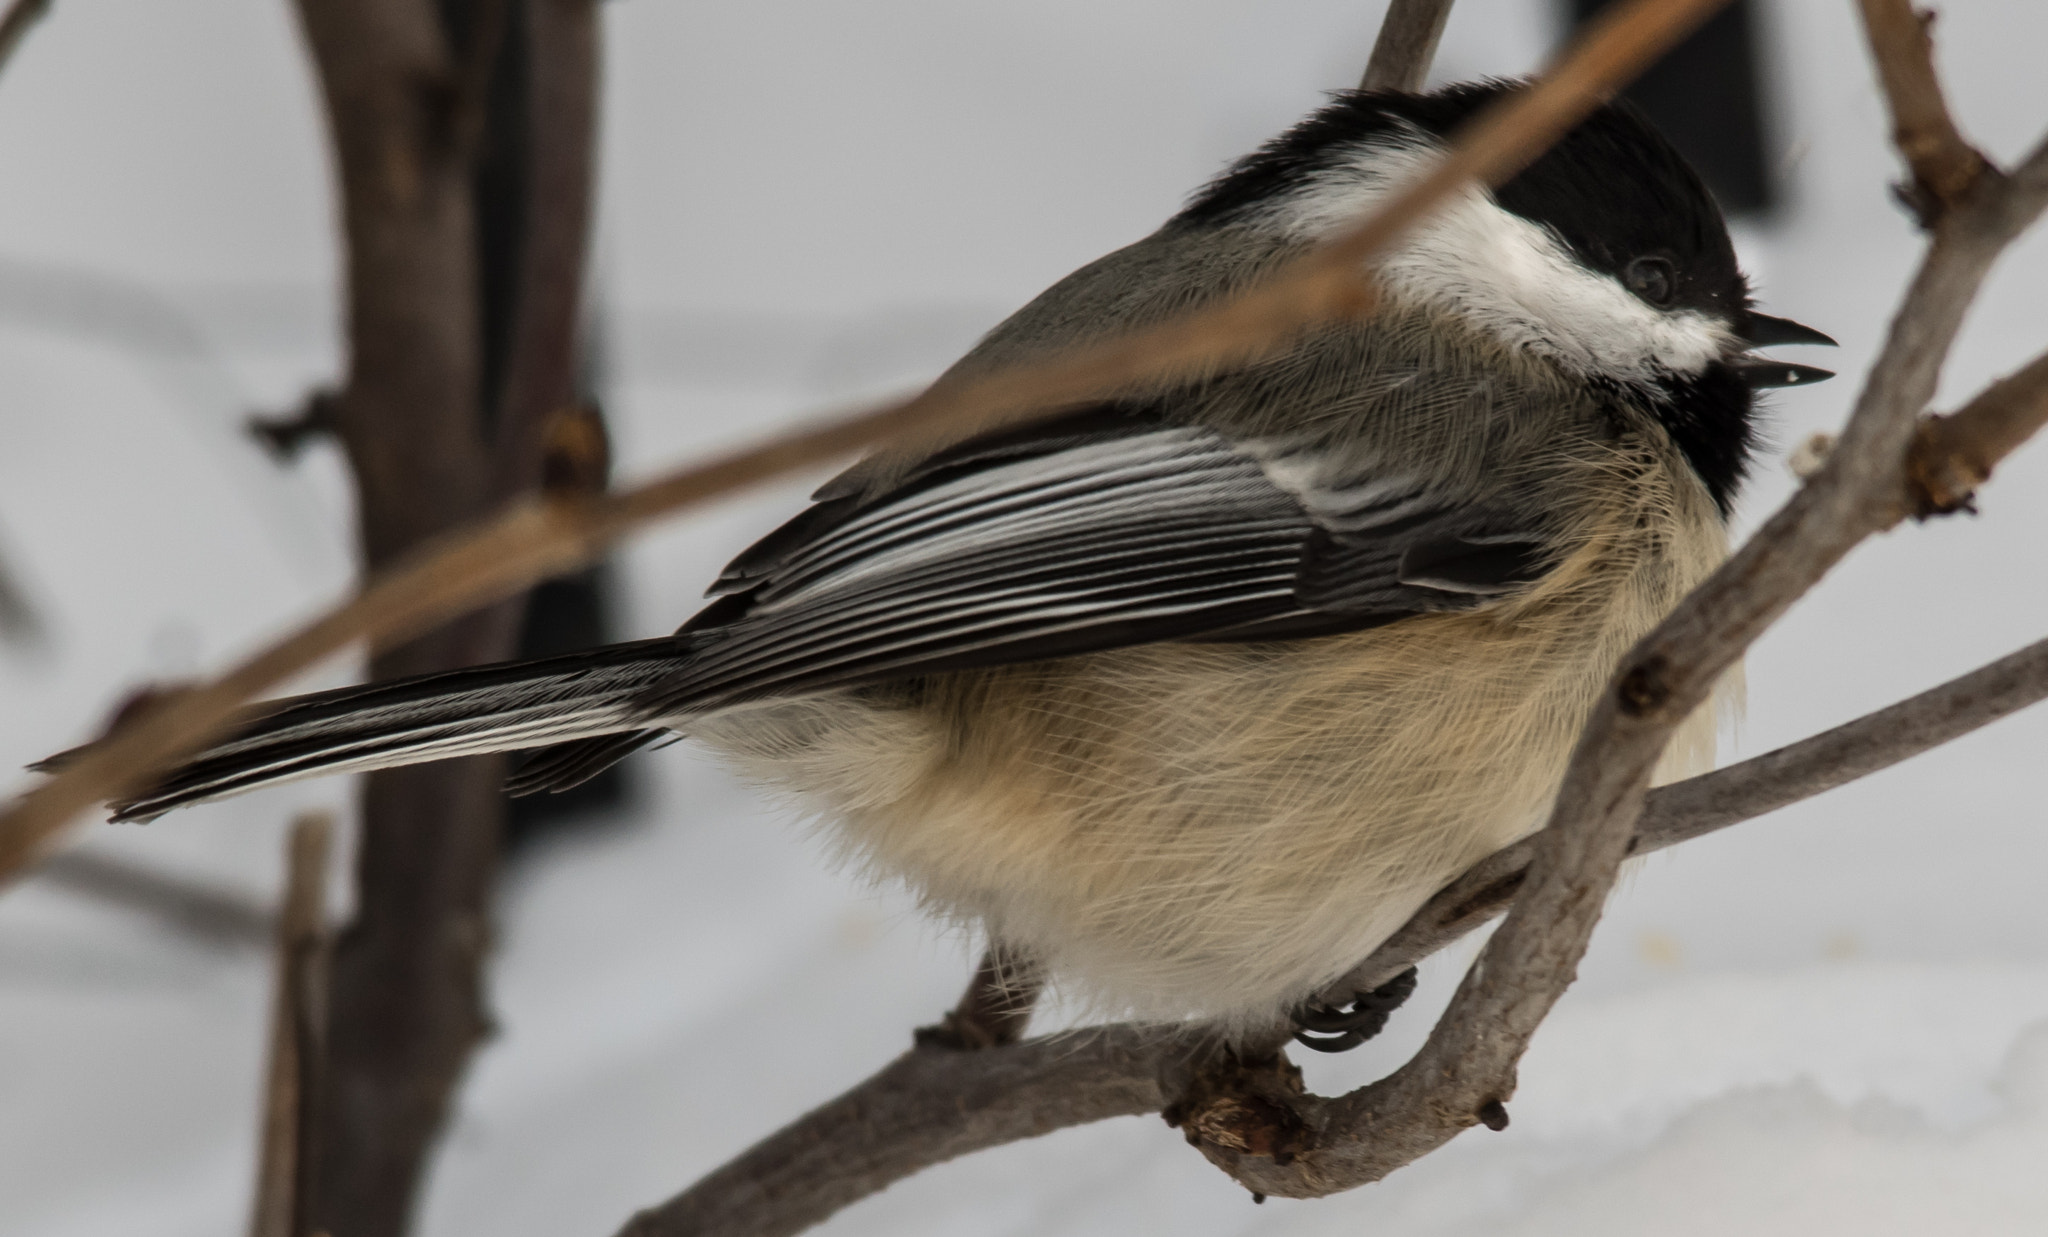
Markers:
(297, 1019)
(541, 538)
(1406, 45)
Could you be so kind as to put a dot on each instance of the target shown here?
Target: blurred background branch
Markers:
(21, 15)
(464, 134)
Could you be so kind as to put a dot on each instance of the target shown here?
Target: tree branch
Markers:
(904, 1118)
(1466, 1071)
(1702, 805)
(1406, 45)
(1953, 455)
(540, 538)
(926, 1107)
(1944, 166)
(1558, 880)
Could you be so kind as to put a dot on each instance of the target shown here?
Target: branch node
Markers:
(1945, 167)
(1494, 1115)
(1643, 690)
(1234, 1107)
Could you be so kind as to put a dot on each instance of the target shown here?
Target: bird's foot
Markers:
(1340, 1028)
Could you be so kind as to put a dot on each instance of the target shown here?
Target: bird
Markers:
(1193, 692)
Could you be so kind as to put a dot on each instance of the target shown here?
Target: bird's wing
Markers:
(1096, 530)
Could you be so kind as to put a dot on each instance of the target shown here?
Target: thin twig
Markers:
(297, 1014)
(1702, 805)
(1406, 45)
(1944, 165)
(21, 15)
(904, 1118)
(537, 539)
(1953, 455)
(215, 917)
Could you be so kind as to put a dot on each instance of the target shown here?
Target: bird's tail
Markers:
(508, 707)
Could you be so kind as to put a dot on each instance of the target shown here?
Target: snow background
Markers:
(1834, 1019)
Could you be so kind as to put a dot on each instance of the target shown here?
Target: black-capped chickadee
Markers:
(1196, 693)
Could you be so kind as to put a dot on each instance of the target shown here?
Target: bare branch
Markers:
(926, 1107)
(298, 1013)
(1116, 1071)
(1944, 166)
(545, 339)
(541, 538)
(1953, 455)
(1406, 45)
(1466, 1071)
(21, 15)
(1703, 805)
(1312, 1146)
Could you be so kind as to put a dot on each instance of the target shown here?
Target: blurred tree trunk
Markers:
(460, 352)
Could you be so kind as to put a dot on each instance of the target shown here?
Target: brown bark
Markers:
(404, 105)
(908, 1116)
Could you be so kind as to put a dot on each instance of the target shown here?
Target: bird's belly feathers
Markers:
(1212, 830)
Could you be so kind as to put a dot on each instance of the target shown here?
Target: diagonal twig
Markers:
(911, 1118)
(540, 538)
(1955, 454)
(1702, 805)
(1466, 1071)
(1406, 45)
(1943, 164)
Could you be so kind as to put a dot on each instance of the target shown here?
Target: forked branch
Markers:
(1276, 1140)
(1944, 166)
(936, 1102)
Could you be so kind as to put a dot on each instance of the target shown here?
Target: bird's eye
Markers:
(1653, 279)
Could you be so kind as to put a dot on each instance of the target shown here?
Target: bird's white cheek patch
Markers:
(1506, 275)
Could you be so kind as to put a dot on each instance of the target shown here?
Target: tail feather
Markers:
(508, 707)
(567, 765)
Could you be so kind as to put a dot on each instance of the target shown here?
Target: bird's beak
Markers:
(1764, 331)
(1760, 372)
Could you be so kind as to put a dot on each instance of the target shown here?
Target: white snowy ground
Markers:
(1830, 1020)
